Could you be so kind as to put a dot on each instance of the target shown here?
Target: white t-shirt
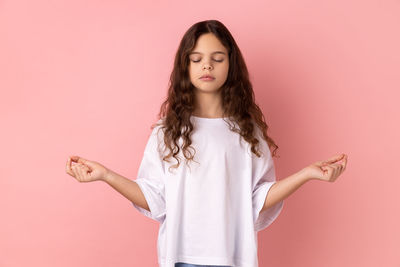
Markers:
(208, 212)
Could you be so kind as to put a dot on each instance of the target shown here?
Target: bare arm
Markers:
(328, 170)
(283, 188)
(85, 170)
(127, 188)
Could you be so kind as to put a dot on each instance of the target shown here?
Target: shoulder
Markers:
(156, 138)
(158, 129)
(263, 146)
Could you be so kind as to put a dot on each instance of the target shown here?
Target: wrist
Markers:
(108, 176)
(305, 175)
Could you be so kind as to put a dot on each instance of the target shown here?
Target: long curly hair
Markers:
(238, 101)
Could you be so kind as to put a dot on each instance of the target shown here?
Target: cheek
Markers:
(224, 67)
(191, 68)
(195, 70)
(227, 67)
(224, 70)
(192, 73)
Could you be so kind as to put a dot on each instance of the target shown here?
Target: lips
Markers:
(207, 77)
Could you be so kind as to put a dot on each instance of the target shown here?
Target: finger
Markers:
(86, 162)
(334, 169)
(73, 169)
(335, 158)
(70, 163)
(78, 159)
(342, 165)
(80, 173)
(327, 169)
(339, 168)
(82, 160)
(68, 166)
(74, 158)
(336, 165)
(89, 164)
(85, 174)
(327, 173)
(85, 171)
(345, 163)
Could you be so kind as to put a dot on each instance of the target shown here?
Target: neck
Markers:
(208, 105)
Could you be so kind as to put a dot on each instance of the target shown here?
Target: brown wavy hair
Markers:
(238, 101)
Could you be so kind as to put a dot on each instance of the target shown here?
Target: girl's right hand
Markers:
(85, 170)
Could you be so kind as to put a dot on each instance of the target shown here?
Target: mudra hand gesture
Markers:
(85, 170)
(328, 170)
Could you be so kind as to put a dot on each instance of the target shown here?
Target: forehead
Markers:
(208, 44)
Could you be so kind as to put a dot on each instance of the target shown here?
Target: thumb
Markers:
(88, 163)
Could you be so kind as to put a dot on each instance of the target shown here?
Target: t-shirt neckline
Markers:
(208, 118)
(204, 119)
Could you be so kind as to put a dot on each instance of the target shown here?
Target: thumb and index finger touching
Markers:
(77, 159)
(81, 160)
(336, 158)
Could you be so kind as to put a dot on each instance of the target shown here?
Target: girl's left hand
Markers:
(328, 170)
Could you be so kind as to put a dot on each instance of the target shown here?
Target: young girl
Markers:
(211, 208)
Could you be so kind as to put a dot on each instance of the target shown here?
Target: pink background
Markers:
(87, 78)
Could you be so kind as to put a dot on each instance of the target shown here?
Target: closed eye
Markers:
(214, 60)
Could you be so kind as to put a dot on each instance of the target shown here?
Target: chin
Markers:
(207, 90)
(208, 87)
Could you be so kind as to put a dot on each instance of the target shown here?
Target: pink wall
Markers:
(87, 78)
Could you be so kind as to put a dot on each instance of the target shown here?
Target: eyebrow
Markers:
(215, 52)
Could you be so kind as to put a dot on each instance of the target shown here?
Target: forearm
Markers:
(283, 188)
(128, 188)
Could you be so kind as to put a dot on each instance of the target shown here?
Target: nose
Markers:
(207, 66)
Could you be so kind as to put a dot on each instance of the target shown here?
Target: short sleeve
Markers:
(151, 178)
(264, 178)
